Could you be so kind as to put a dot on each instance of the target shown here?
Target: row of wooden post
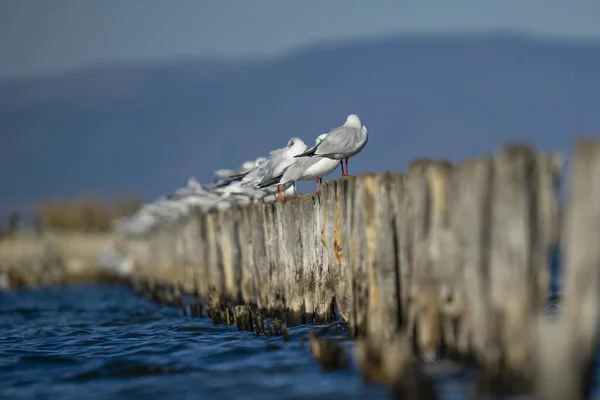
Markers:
(442, 257)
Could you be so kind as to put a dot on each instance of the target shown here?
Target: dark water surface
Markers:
(96, 341)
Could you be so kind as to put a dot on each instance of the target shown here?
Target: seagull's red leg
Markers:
(317, 185)
(342, 164)
(347, 170)
(280, 192)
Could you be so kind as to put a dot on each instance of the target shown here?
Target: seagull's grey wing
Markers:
(309, 152)
(265, 183)
(316, 149)
(296, 170)
(289, 173)
(230, 180)
(270, 170)
(338, 141)
(256, 173)
(254, 176)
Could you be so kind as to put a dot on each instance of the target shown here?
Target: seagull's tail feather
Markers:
(237, 177)
(223, 184)
(271, 182)
(308, 153)
(231, 179)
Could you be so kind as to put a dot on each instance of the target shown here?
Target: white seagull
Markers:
(341, 143)
(242, 169)
(279, 160)
(307, 168)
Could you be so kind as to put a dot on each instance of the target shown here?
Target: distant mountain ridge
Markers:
(147, 128)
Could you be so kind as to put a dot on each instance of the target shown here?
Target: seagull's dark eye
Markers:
(291, 143)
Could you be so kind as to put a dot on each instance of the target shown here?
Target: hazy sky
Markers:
(43, 35)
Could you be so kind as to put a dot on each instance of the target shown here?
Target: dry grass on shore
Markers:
(68, 237)
(52, 258)
(85, 213)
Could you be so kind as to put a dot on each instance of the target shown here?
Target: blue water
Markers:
(84, 342)
(98, 341)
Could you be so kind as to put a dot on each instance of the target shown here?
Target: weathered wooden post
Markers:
(185, 253)
(230, 253)
(469, 218)
(347, 200)
(427, 187)
(385, 307)
(381, 357)
(418, 293)
(568, 344)
(339, 203)
(245, 230)
(291, 261)
(318, 287)
(258, 262)
(202, 247)
(522, 234)
(329, 247)
(442, 263)
(216, 281)
(272, 287)
(357, 247)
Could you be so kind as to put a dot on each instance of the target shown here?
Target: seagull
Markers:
(288, 190)
(236, 175)
(306, 168)
(279, 160)
(239, 188)
(192, 187)
(341, 143)
(241, 170)
(255, 175)
(226, 173)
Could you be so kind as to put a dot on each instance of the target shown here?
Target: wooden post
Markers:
(426, 188)
(227, 242)
(346, 198)
(467, 300)
(245, 229)
(514, 297)
(358, 247)
(454, 255)
(567, 346)
(291, 265)
(385, 309)
(260, 260)
(204, 253)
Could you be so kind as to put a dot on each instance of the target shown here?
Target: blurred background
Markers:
(107, 104)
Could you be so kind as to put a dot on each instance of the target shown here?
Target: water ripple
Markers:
(96, 341)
